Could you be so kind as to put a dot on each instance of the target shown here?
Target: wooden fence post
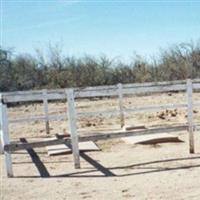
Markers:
(72, 127)
(122, 121)
(46, 112)
(1, 145)
(190, 115)
(1, 132)
(5, 137)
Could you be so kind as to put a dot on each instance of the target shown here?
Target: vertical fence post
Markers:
(72, 127)
(5, 137)
(1, 145)
(46, 112)
(1, 132)
(190, 115)
(120, 92)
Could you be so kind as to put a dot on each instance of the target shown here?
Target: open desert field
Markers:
(119, 170)
(99, 100)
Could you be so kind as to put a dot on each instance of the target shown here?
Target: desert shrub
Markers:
(24, 72)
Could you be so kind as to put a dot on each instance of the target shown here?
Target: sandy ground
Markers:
(119, 170)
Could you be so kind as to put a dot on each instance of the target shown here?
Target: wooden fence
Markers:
(71, 94)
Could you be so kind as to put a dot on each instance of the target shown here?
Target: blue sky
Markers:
(114, 28)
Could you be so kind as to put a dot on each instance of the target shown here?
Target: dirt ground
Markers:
(119, 170)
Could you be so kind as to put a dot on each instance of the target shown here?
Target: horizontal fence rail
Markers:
(59, 117)
(99, 91)
(98, 136)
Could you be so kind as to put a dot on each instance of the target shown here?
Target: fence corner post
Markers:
(5, 137)
(72, 127)
(190, 115)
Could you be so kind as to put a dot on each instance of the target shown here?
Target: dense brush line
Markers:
(24, 72)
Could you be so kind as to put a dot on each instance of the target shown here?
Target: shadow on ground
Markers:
(145, 167)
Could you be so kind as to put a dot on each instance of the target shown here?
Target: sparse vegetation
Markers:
(24, 72)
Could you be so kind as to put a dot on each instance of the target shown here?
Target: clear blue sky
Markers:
(114, 28)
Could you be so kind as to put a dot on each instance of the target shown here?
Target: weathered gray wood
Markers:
(1, 145)
(95, 93)
(72, 127)
(120, 91)
(99, 91)
(15, 146)
(190, 115)
(131, 85)
(96, 113)
(91, 93)
(196, 86)
(46, 112)
(5, 138)
(110, 135)
(154, 108)
(161, 83)
(154, 89)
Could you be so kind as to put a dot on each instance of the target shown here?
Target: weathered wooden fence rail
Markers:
(101, 91)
